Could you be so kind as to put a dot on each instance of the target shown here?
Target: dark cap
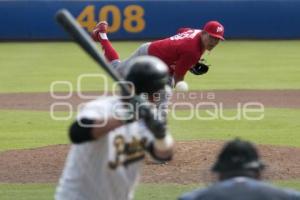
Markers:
(238, 155)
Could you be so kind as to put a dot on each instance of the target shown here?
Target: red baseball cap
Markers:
(214, 29)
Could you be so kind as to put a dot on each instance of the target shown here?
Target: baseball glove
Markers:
(200, 68)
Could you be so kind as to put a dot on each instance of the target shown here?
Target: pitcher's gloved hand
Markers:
(200, 68)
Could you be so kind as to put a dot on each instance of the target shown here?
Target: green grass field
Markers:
(32, 67)
(279, 127)
(235, 65)
(144, 191)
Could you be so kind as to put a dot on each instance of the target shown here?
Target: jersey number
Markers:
(187, 34)
(127, 153)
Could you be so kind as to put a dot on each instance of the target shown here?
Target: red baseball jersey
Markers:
(180, 52)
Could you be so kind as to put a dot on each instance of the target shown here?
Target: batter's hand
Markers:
(143, 109)
(132, 106)
(154, 122)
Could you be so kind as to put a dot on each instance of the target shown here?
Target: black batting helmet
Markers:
(238, 155)
(148, 74)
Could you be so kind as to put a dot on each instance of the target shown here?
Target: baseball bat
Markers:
(69, 23)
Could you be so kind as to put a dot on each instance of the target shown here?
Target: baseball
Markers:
(182, 86)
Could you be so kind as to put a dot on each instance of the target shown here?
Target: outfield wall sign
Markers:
(129, 20)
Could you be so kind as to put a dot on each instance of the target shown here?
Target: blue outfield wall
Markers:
(257, 19)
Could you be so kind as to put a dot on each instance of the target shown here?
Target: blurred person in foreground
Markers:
(112, 135)
(239, 171)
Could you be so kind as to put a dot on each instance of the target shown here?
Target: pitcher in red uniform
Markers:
(180, 52)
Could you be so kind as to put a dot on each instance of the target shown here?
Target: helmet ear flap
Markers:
(131, 88)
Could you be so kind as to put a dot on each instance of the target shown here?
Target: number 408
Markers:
(133, 18)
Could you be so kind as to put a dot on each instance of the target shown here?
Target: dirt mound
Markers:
(224, 98)
(191, 164)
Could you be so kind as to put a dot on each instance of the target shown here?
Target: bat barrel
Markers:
(69, 23)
